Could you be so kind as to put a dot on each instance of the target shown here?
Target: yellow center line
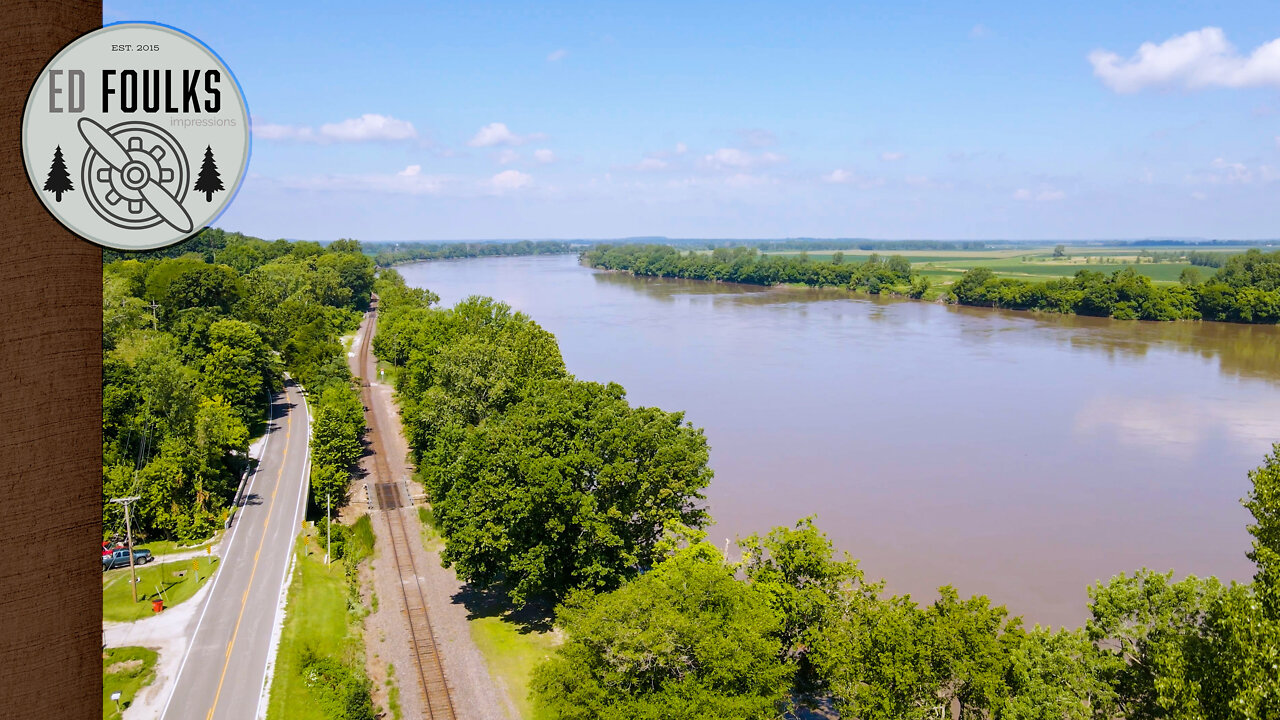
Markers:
(244, 600)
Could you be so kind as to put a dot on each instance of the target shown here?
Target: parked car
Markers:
(120, 558)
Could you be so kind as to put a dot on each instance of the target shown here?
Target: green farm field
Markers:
(943, 267)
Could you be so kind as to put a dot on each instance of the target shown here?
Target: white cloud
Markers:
(497, 133)
(366, 128)
(840, 176)
(1044, 195)
(557, 55)
(1278, 142)
(544, 156)
(1198, 59)
(272, 131)
(652, 163)
(409, 181)
(508, 156)
(369, 126)
(1225, 172)
(891, 156)
(979, 31)
(1197, 195)
(509, 180)
(681, 148)
(733, 158)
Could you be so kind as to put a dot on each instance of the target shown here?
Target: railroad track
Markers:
(436, 701)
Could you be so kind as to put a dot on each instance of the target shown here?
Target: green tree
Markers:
(1263, 503)
(207, 286)
(797, 571)
(335, 443)
(569, 488)
(239, 367)
(1155, 628)
(875, 658)
(331, 482)
(1057, 676)
(968, 645)
(686, 640)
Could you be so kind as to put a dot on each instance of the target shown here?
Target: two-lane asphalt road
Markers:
(222, 673)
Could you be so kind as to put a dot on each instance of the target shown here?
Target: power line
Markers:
(133, 577)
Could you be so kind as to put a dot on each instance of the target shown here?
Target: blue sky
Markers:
(407, 120)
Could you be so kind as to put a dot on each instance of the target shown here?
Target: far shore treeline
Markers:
(1245, 288)
(550, 490)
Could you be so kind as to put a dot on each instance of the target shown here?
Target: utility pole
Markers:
(327, 522)
(155, 323)
(128, 529)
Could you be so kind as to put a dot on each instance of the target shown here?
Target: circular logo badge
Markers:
(136, 136)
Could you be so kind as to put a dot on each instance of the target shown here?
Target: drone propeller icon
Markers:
(134, 175)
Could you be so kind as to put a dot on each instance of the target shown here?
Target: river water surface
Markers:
(1020, 456)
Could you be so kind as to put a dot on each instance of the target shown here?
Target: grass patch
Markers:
(320, 622)
(393, 693)
(174, 582)
(511, 649)
(511, 653)
(431, 538)
(361, 533)
(125, 670)
(171, 547)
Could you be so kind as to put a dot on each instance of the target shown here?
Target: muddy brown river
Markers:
(1020, 456)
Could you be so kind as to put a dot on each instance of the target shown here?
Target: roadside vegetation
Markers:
(319, 671)
(552, 492)
(172, 582)
(193, 342)
(1241, 287)
(126, 670)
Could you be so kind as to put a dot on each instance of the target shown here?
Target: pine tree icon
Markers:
(209, 181)
(59, 181)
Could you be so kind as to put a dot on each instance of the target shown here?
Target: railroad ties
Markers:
(437, 704)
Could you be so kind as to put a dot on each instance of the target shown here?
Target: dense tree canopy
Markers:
(746, 265)
(191, 349)
(686, 640)
(569, 488)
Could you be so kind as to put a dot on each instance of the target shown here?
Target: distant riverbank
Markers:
(1245, 289)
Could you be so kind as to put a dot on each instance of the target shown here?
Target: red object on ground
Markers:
(157, 605)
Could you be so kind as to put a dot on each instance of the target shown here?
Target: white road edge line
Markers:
(234, 533)
(268, 670)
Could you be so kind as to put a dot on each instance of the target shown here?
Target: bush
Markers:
(342, 691)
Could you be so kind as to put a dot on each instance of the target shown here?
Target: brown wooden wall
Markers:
(50, 408)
